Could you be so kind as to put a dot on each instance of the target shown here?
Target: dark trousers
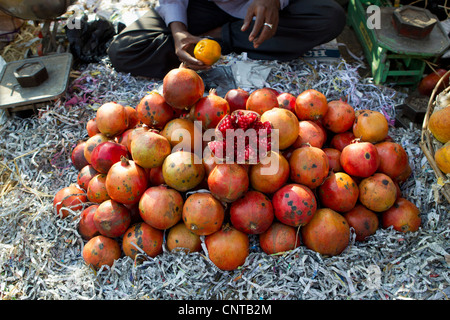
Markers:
(145, 48)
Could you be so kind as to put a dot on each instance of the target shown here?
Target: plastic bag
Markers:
(89, 38)
(220, 78)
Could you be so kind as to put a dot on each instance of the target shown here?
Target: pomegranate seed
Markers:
(253, 150)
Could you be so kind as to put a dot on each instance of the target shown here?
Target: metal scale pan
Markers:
(15, 97)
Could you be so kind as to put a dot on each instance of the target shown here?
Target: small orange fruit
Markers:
(442, 157)
(208, 51)
(439, 124)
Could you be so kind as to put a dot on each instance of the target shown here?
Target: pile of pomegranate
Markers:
(183, 168)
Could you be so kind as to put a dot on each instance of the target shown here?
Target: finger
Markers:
(267, 31)
(185, 57)
(265, 34)
(247, 20)
(194, 66)
(259, 22)
(199, 68)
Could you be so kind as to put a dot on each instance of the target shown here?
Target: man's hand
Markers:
(266, 21)
(184, 46)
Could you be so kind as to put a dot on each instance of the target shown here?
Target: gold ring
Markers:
(268, 25)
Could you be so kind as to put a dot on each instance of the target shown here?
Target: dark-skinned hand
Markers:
(264, 11)
(184, 43)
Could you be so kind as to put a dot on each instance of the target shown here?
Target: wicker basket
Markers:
(428, 143)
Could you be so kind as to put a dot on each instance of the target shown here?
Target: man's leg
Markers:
(303, 25)
(145, 48)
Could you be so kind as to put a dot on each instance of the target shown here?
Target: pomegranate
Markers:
(340, 140)
(91, 143)
(339, 117)
(279, 238)
(399, 191)
(91, 127)
(133, 119)
(112, 218)
(182, 134)
(228, 182)
(377, 192)
(155, 176)
(403, 216)
(96, 191)
(252, 213)
(370, 126)
(287, 100)
(85, 175)
(228, 248)
(134, 213)
(149, 149)
(183, 170)
(334, 159)
(393, 158)
(112, 119)
(101, 251)
(202, 213)
(328, 233)
(123, 138)
(294, 204)
(182, 88)
(181, 238)
(285, 122)
(209, 160)
(86, 226)
(271, 175)
(309, 166)
(144, 237)
(77, 157)
(134, 133)
(161, 207)
(338, 192)
(360, 159)
(275, 91)
(310, 133)
(428, 83)
(311, 105)
(237, 99)
(242, 138)
(153, 111)
(209, 110)
(261, 100)
(106, 154)
(406, 173)
(68, 198)
(126, 181)
(363, 221)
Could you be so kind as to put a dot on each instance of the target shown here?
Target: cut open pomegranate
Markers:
(242, 138)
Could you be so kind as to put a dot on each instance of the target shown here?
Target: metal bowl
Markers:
(35, 9)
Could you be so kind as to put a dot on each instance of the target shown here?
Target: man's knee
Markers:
(112, 51)
(116, 54)
(336, 17)
(318, 14)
